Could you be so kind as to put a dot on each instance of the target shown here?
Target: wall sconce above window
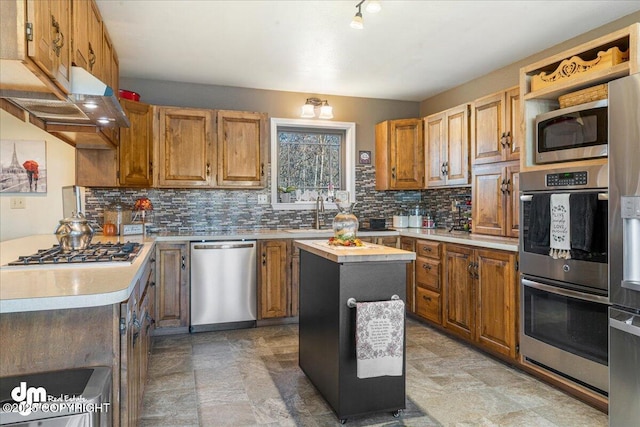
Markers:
(310, 106)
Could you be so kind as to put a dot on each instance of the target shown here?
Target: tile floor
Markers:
(251, 377)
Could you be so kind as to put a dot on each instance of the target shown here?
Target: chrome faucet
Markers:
(319, 209)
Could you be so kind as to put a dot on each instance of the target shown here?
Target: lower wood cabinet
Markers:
(409, 244)
(136, 323)
(172, 289)
(480, 289)
(274, 284)
(428, 287)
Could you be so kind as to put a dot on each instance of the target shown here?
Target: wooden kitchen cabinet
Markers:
(172, 286)
(496, 130)
(459, 310)
(186, 144)
(409, 244)
(87, 36)
(96, 168)
(274, 294)
(136, 323)
(428, 286)
(399, 155)
(136, 146)
(242, 149)
(496, 203)
(49, 47)
(481, 297)
(446, 141)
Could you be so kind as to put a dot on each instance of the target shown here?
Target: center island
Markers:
(330, 276)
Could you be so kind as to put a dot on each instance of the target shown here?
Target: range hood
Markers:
(91, 102)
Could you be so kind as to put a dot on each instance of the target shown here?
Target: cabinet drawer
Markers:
(428, 273)
(428, 248)
(428, 305)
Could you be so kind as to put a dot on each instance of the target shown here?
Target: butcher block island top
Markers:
(369, 252)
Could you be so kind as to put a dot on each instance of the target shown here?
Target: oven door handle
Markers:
(529, 197)
(624, 326)
(565, 292)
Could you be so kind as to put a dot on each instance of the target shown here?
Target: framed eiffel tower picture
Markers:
(23, 166)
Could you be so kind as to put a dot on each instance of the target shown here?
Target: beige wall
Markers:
(364, 112)
(508, 76)
(43, 211)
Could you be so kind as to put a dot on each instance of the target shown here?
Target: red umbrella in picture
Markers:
(31, 166)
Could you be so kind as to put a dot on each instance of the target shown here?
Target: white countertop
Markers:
(367, 253)
(74, 286)
(65, 286)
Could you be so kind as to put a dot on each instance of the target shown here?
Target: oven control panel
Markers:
(563, 179)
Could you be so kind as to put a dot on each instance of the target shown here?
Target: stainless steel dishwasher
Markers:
(223, 285)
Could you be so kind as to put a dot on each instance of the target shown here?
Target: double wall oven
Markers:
(564, 302)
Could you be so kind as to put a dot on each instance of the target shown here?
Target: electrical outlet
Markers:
(263, 199)
(18, 203)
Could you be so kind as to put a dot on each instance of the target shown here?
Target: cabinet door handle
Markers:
(426, 266)
(208, 169)
(152, 284)
(393, 172)
(469, 268)
(264, 258)
(426, 298)
(92, 57)
(507, 190)
(183, 263)
(502, 184)
(442, 169)
(427, 248)
(58, 42)
(261, 169)
(475, 271)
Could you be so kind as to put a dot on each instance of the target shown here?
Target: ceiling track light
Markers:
(373, 6)
(310, 106)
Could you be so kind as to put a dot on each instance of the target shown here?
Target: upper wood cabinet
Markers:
(35, 50)
(495, 127)
(447, 146)
(186, 144)
(242, 142)
(136, 146)
(495, 199)
(399, 155)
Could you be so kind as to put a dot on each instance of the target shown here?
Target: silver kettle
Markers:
(74, 233)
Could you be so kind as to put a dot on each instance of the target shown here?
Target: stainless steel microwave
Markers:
(574, 133)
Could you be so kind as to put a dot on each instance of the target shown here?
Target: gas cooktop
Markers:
(95, 253)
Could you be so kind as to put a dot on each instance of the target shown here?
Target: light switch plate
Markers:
(128, 229)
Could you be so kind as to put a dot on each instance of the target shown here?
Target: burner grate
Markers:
(95, 253)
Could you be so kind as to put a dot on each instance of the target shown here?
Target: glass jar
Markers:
(345, 223)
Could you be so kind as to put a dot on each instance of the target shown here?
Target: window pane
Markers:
(310, 160)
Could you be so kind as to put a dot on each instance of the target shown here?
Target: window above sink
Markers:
(311, 158)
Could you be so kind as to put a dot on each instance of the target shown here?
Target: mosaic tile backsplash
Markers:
(200, 210)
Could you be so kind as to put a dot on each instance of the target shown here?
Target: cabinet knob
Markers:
(426, 266)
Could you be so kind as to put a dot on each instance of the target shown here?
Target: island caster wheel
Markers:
(396, 414)
(343, 421)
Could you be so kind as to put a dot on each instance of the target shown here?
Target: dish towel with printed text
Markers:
(560, 228)
(380, 338)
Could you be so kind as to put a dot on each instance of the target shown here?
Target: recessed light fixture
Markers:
(373, 6)
(309, 108)
(104, 120)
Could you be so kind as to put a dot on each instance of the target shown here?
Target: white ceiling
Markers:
(410, 50)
